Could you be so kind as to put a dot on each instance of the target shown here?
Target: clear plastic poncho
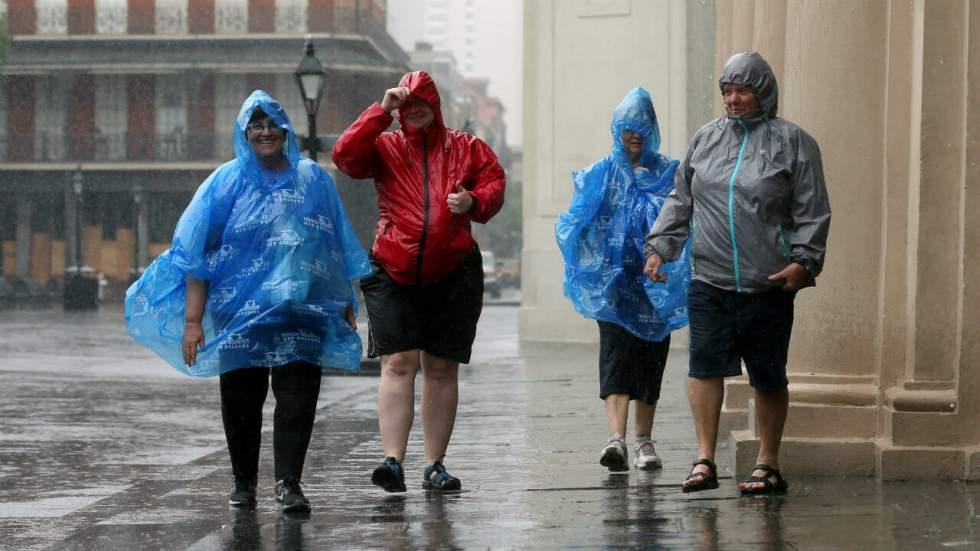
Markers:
(601, 234)
(280, 257)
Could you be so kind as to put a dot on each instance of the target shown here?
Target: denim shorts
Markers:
(728, 328)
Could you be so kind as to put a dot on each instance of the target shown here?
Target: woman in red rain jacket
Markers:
(426, 293)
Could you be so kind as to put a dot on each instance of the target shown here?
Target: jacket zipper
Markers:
(425, 212)
(782, 240)
(731, 203)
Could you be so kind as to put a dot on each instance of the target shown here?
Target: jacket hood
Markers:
(750, 69)
(636, 113)
(272, 108)
(421, 86)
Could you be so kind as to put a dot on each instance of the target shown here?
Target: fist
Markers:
(459, 202)
(394, 98)
(652, 268)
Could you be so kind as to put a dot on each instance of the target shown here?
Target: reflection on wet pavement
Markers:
(105, 447)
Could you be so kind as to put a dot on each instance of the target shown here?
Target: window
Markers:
(171, 103)
(291, 16)
(52, 16)
(231, 16)
(111, 125)
(110, 16)
(171, 16)
(50, 102)
(287, 93)
(3, 120)
(229, 95)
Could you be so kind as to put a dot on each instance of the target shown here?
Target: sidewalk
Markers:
(104, 447)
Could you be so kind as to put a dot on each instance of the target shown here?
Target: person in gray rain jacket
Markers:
(750, 195)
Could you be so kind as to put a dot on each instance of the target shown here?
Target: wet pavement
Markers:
(103, 446)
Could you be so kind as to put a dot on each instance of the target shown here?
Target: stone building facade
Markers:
(885, 359)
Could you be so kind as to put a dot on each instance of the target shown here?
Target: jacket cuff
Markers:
(808, 265)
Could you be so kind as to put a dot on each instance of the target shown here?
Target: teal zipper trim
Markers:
(731, 203)
(782, 240)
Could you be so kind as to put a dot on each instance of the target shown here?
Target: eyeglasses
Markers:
(259, 127)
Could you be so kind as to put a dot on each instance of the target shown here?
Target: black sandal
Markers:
(768, 487)
(706, 481)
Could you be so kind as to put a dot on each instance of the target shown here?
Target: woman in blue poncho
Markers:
(615, 203)
(259, 280)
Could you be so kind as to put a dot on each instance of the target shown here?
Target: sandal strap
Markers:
(698, 474)
(706, 462)
(766, 478)
(761, 479)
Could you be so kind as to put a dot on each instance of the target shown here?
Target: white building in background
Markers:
(580, 59)
(485, 37)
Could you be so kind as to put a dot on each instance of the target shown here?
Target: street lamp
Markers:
(77, 185)
(310, 77)
(81, 293)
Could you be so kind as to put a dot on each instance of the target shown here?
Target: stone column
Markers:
(22, 262)
(71, 230)
(929, 408)
(141, 198)
(832, 86)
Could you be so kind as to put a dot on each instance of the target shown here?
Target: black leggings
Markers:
(296, 387)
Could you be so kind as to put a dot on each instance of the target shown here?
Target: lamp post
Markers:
(310, 77)
(81, 293)
(77, 185)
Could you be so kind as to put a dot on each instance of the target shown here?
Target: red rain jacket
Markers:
(418, 240)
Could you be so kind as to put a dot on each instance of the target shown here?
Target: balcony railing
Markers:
(123, 147)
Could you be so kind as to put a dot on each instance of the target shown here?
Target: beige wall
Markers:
(580, 59)
(885, 358)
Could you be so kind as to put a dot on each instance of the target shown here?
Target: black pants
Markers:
(296, 387)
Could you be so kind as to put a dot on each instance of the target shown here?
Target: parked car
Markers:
(509, 272)
(490, 282)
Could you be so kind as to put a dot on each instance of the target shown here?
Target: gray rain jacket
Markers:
(750, 192)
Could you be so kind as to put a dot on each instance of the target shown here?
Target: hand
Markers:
(349, 316)
(394, 98)
(795, 276)
(459, 202)
(652, 268)
(193, 339)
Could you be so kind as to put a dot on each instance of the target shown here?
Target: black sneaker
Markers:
(290, 495)
(389, 476)
(243, 493)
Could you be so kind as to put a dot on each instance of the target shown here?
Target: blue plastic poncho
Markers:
(601, 234)
(280, 257)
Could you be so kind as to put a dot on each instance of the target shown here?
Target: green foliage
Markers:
(505, 230)
(4, 40)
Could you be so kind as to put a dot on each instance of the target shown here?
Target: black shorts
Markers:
(439, 318)
(629, 364)
(728, 328)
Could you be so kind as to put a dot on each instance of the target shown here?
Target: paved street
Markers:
(103, 446)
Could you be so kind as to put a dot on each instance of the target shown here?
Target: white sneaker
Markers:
(646, 457)
(615, 455)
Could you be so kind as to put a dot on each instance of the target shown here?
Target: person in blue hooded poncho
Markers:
(259, 283)
(601, 235)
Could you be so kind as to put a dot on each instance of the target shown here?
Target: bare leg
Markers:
(617, 411)
(706, 396)
(771, 408)
(643, 414)
(440, 395)
(396, 401)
